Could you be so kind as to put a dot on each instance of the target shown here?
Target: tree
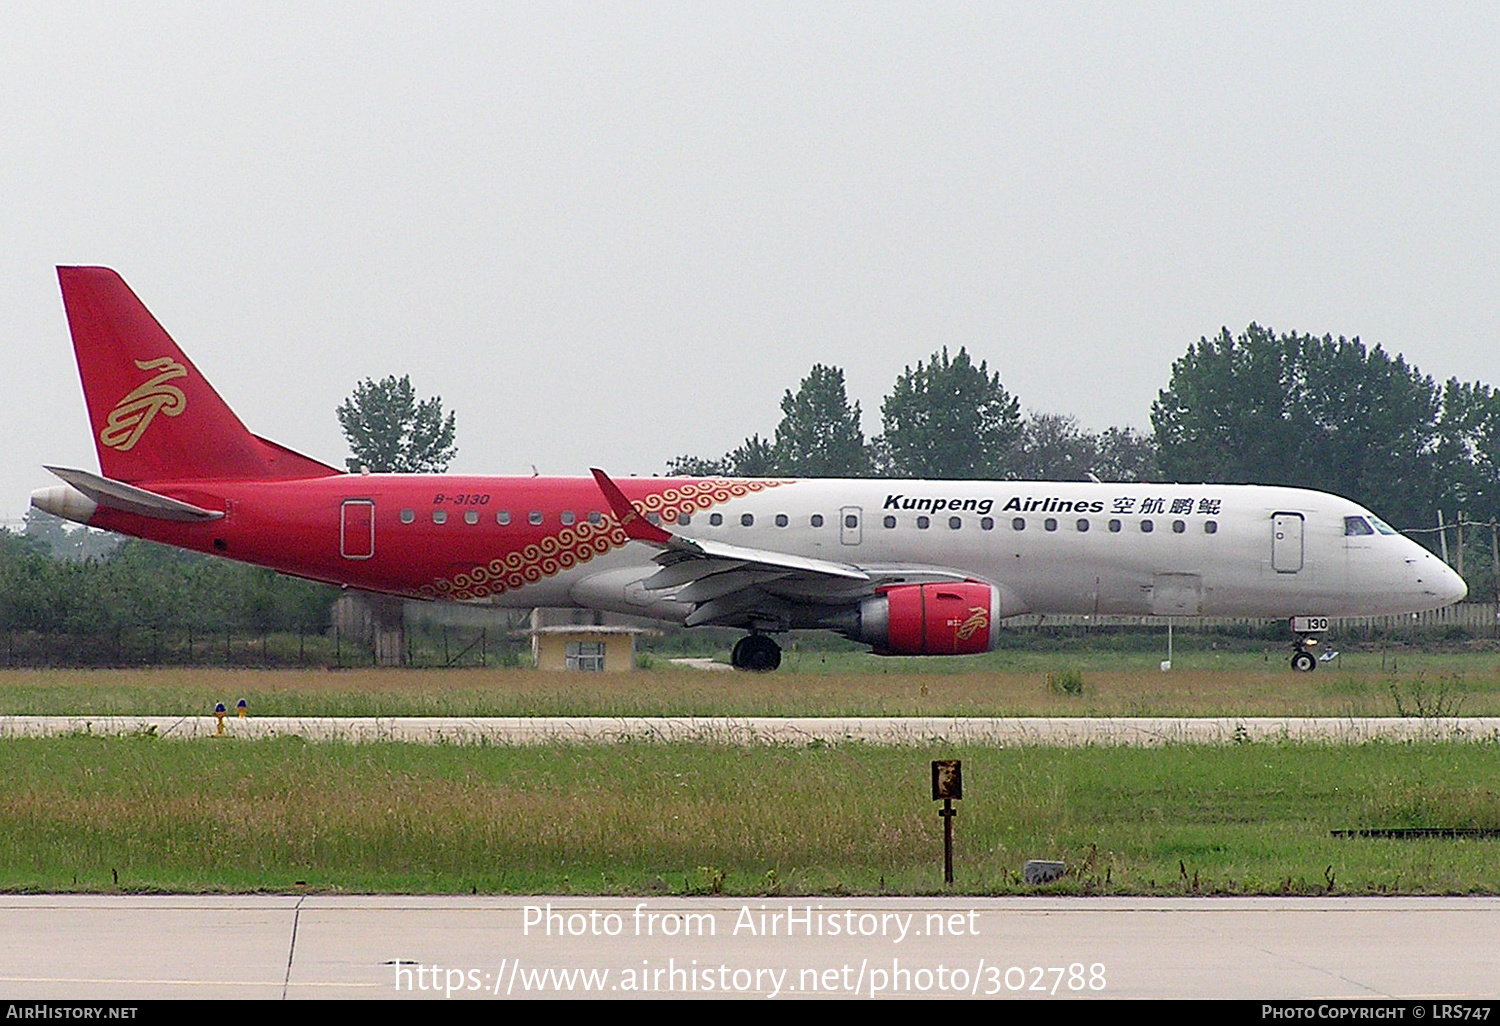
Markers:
(819, 434)
(1310, 412)
(949, 419)
(389, 431)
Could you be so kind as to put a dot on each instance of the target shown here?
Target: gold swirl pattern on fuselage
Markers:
(579, 543)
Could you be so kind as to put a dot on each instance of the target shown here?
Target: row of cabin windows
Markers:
(535, 517)
(1082, 525)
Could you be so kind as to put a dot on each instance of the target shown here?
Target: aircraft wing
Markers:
(734, 585)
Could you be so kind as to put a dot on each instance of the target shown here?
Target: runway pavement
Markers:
(114, 948)
(778, 730)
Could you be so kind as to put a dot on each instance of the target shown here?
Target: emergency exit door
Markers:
(357, 529)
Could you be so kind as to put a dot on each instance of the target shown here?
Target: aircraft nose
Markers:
(1452, 587)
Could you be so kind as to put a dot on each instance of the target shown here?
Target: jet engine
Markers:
(932, 619)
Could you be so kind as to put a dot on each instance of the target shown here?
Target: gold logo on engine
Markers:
(979, 619)
(133, 415)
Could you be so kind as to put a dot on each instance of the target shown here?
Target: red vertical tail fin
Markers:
(154, 416)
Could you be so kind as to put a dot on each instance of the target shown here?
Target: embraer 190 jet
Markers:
(907, 567)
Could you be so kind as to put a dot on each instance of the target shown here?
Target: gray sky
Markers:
(610, 233)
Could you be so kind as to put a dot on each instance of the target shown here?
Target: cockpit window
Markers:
(1356, 525)
(1382, 526)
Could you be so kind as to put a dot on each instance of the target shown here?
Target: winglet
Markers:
(637, 527)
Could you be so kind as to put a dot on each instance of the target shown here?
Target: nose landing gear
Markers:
(1303, 660)
(756, 653)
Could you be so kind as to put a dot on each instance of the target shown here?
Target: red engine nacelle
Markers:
(931, 619)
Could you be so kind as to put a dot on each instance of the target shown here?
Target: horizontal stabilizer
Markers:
(130, 499)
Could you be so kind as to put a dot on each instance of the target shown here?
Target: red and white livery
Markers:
(907, 567)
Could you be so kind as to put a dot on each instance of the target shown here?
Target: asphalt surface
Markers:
(123, 948)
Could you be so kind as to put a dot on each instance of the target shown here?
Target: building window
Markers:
(585, 655)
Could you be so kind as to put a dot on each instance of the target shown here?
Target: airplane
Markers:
(906, 567)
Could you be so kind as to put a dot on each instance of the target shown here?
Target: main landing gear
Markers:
(757, 653)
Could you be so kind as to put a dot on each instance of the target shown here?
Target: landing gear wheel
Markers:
(1303, 662)
(756, 653)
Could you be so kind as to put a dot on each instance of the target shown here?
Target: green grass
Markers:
(141, 814)
(1201, 683)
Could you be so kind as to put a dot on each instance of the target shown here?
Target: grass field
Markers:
(89, 813)
(1202, 683)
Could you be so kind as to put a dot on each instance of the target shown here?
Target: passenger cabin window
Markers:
(1147, 527)
(747, 519)
(502, 517)
(1114, 527)
(1210, 527)
(1083, 526)
(1050, 523)
(535, 517)
(1178, 526)
(781, 520)
(596, 518)
(816, 520)
(923, 523)
(851, 521)
(889, 522)
(715, 519)
(954, 523)
(439, 516)
(568, 517)
(986, 523)
(1018, 524)
(471, 516)
(408, 516)
(684, 520)
(1356, 526)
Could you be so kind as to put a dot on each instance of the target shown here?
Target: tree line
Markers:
(945, 419)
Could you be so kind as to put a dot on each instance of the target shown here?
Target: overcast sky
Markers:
(610, 233)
